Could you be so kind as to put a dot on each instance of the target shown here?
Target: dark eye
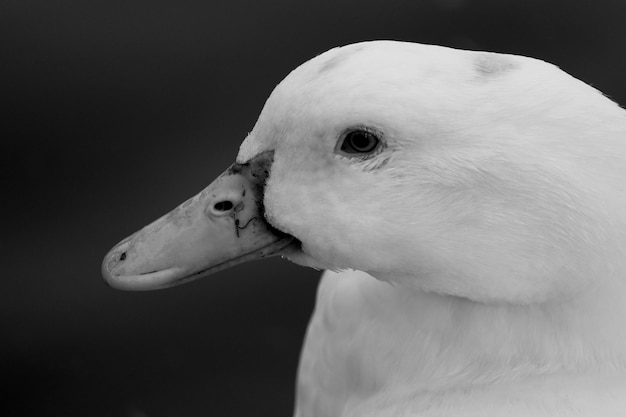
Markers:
(359, 142)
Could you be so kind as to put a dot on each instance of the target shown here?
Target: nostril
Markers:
(123, 256)
(223, 206)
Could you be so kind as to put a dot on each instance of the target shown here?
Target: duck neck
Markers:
(454, 336)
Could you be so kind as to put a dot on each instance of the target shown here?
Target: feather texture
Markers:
(482, 250)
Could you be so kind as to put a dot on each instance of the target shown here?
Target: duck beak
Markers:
(222, 226)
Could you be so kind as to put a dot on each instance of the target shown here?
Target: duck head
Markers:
(492, 177)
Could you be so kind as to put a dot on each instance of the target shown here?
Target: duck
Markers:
(468, 209)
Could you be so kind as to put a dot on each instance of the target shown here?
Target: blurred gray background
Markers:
(116, 111)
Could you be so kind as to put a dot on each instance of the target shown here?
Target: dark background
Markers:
(116, 111)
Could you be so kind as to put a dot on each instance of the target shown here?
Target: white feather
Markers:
(491, 232)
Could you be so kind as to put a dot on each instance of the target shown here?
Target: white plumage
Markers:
(494, 222)
(489, 225)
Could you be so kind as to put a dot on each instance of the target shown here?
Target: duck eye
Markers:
(359, 142)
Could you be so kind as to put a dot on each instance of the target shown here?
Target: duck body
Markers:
(470, 211)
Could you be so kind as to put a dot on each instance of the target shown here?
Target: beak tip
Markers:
(113, 263)
(105, 269)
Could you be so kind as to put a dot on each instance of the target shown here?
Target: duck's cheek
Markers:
(303, 212)
(327, 219)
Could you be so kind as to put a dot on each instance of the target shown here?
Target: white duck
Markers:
(475, 204)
